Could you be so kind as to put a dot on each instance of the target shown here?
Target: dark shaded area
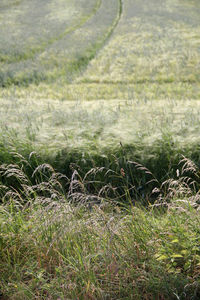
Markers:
(122, 173)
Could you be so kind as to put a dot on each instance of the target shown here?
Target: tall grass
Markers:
(90, 133)
(69, 244)
(122, 181)
(109, 207)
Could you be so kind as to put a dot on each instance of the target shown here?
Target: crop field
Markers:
(93, 76)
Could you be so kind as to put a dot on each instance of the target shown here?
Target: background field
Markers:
(86, 78)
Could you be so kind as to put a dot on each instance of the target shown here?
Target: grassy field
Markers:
(108, 94)
(145, 92)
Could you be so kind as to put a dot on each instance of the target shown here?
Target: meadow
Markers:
(70, 86)
(99, 149)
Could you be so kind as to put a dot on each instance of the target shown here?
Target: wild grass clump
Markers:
(72, 238)
(121, 180)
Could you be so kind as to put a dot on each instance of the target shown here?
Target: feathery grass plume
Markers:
(43, 181)
(184, 188)
(188, 166)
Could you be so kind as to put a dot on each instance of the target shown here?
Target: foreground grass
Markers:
(78, 238)
(58, 251)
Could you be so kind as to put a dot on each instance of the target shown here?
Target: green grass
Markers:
(56, 52)
(99, 89)
(89, 133)
(20, 41)
(55, 247)
(144, 93)
(84, 242)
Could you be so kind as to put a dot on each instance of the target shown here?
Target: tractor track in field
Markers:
(76, 27)
(138, 81)
(114, 26)
(153, 44)
(109, 33)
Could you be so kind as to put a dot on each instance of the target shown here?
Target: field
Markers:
(106, 93)
(70, 86)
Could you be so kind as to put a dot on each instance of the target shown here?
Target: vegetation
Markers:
(151, 81)
(90, 93)
(81, 245)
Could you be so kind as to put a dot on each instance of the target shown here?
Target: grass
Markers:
(55, 247)
(156, 48)
(75, 254)
(99, 89)
(9, 3)
(90, 133)
(151, 50)
(61, 55)
(20, 41)
(143, 94)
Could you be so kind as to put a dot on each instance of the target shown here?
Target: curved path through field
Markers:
(147, 49)
(131, 52)
(159, 43)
